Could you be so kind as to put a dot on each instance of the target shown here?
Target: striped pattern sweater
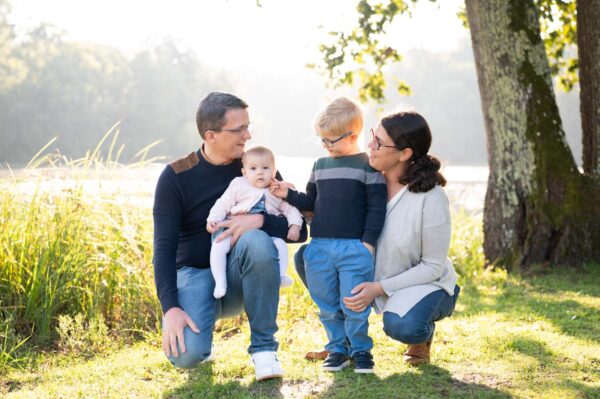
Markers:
(348, 198)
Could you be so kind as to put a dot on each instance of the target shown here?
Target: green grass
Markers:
(79, 318)
(509, 337)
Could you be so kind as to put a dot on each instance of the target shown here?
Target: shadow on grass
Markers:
(520, 300)
(201, 384)
(427, 381)
(550, 362)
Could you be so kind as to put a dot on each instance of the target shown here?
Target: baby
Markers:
(250, 194)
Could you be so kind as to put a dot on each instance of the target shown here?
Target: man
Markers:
(185, 192)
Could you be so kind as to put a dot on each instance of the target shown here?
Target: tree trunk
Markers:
(588, 39)
(538, 207)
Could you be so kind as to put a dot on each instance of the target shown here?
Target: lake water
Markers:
(466, 184)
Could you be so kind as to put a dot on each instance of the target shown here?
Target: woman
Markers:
(415, 282)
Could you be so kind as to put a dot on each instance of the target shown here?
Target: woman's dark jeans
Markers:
(417, 326)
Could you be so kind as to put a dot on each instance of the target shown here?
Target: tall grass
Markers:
(69, 253)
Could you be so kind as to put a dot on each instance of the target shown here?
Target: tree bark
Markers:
(588, 39)
(538, 207)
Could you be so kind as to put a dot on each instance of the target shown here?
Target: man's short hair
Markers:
(340, 116)
(259, 150)
(212, 109)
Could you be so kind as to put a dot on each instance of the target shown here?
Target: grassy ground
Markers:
(510, 336)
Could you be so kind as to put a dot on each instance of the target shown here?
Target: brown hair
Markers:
(408, 129)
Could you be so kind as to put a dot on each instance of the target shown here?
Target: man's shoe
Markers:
(363, 362)
(266, 365)
(335, 362)
(418, 354)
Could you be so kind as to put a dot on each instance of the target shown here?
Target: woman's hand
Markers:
(363, 295)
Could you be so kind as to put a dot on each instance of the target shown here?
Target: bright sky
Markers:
(234, 34)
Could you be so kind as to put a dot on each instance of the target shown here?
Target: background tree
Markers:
(536, 206)
(588, 37)
(12, 70)
(50, 87)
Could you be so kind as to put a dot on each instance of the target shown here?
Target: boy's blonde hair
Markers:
(340, 116)
(258, 150)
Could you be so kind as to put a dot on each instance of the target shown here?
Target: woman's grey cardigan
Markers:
(412, 252)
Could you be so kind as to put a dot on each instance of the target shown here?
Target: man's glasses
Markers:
(377, 144)
(239, 130)
(331, 143)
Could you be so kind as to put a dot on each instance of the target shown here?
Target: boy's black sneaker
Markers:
(336, 361)
(363, 362)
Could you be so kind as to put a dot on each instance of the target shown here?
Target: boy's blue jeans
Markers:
(252, 284)
(333, 268)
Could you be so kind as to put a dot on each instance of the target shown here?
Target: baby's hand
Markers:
(210, 227)
(279, 189)
(294, 232)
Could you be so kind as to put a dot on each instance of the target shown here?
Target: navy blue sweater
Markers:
(348, 198)
(185, 192)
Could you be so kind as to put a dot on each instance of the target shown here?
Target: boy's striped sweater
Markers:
(348, 198)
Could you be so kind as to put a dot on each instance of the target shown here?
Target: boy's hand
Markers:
(279, 189)
(370, 248)
(294, 232)
(210, 227)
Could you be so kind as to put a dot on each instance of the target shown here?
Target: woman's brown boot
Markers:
(418, 354)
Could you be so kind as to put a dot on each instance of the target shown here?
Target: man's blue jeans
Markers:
(333, 268)
(252, 284)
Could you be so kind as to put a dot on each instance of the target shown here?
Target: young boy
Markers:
(249, 194)
(348, 199)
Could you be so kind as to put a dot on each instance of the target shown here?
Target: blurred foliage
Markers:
(558, 23)
(12, 70)
(359, 57)
(50, 87)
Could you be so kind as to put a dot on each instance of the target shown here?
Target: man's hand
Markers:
(210, 227)
(174, 322)
(239, 224)
(363, 295)
(370, 248)
(279, 188)
(294, 232)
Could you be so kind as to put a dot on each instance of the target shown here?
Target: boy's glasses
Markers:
(331, 143)
(239, 130)
(377, 144)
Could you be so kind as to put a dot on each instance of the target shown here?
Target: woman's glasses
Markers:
(377, 144)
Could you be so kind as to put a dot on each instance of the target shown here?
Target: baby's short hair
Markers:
(258, 150)
(340, 116)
